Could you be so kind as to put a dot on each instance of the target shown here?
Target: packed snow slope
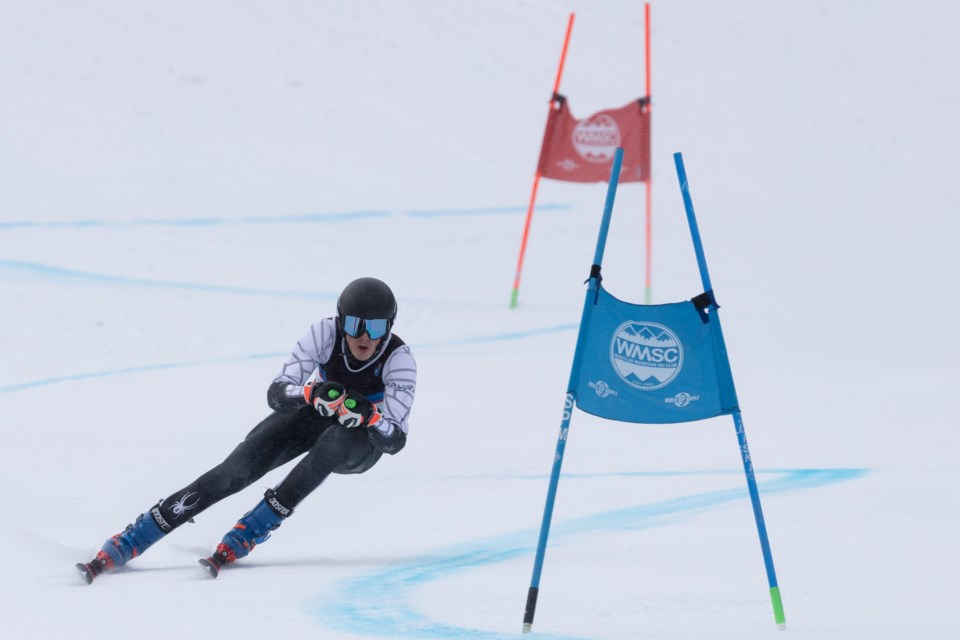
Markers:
(185, 187)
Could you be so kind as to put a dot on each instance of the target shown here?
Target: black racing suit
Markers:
(295, 428)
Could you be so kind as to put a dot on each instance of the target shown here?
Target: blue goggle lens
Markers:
(375, 328)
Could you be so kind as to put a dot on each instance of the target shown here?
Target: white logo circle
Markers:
(646, 355)
(682, 399)
(597, 139)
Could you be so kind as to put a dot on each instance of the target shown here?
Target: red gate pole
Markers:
(648, 293)
(536, 177)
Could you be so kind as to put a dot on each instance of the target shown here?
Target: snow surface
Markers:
(185, 187)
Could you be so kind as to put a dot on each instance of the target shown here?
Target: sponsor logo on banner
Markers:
(682, 399)
(602, 389)
(646, 355)
(597, 138)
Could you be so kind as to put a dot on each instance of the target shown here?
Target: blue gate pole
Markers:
(737, 418)
(570, 399)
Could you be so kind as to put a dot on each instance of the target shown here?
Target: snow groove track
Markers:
(356, 605)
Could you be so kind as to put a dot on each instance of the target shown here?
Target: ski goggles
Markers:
(355, 327)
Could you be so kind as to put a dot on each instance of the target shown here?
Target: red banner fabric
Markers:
(582, 150)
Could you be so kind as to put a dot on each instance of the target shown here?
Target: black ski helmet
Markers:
(366, 298)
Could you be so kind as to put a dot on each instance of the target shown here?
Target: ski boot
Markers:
(124, 546)
(252, 529)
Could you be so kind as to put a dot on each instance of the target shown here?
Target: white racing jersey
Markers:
(388, 378)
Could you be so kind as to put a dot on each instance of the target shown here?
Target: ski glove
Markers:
(357, 411)
(325, 397)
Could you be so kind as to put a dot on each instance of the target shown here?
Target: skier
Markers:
(343, 398)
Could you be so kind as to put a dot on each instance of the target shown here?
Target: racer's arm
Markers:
(305, 365)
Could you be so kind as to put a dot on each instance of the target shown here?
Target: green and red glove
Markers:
(352, 409)
(326, 397)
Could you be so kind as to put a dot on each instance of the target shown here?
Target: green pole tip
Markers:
(513, 298)
(778, 607)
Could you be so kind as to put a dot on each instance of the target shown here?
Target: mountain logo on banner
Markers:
(597, 138)
(646, 355)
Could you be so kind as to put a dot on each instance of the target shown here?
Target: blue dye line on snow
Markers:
(45, 270)
(499, 337)
(73, 274)
(437, 213)
(308, 218)
(62, 273)
(106, 373)
(359, 605)
(192, 222)
(20, 386)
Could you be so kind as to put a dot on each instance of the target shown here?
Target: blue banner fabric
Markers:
(653, 364)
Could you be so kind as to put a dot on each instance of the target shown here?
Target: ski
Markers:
(87, 571)
(211, 565)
